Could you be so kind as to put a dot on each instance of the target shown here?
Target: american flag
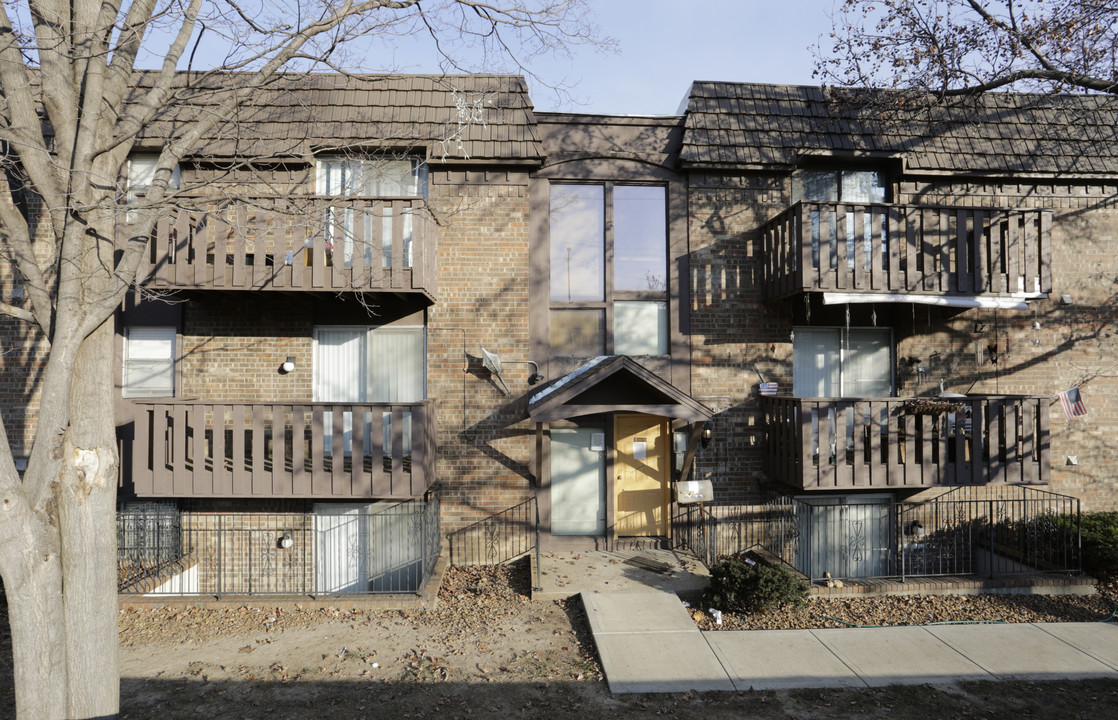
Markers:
(1072, 403)
(769, 388)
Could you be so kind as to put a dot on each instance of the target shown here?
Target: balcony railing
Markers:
(842, 443)
(922, 250)
(297, 243)
(270, 450)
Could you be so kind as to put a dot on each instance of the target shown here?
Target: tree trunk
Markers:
(88, 530)
(33, 587)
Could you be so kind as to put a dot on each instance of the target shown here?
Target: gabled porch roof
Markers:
(613, 383)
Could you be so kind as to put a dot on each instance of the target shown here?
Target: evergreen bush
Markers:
(737, 587)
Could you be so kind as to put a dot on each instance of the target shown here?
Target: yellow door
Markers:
(641, 465)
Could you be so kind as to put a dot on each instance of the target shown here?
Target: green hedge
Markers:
(1100, 542)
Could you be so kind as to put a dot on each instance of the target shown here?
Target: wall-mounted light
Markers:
(706, 436)
(288, 365)
(285, 541)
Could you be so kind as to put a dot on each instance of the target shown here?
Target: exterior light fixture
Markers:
(285, 541)
(706, 436)
(288, 365)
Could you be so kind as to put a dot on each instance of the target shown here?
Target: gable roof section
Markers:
(456, 118)
(613, 384)
(739, 125)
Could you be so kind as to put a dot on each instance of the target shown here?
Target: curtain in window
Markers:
(397, 364)
(149, 362)
(867, 370)
(816, 362)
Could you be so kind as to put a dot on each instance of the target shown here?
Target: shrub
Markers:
(1100, 542)
(736, 586)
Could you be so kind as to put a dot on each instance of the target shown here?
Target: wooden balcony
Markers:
(893, 443)
(296, 244)
(906, 249)
(264, 450)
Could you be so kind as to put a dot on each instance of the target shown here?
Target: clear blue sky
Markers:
(665, 44)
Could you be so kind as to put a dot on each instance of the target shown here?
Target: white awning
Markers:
(1017, 301)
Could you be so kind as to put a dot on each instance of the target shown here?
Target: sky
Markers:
(666, 44)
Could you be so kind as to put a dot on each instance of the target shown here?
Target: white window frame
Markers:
(163, 331)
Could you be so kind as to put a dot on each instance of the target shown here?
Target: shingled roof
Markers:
(456, 118)
(751, 125)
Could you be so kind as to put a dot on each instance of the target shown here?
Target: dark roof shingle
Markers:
(491, 116)
(992, 133)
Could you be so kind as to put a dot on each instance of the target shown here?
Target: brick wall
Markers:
(484, 447)
(735, 335)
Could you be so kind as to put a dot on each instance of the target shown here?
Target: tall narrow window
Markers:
(149, 362)
(609, 281)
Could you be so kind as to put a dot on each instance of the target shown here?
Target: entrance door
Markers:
(578, 481)
(641, 465)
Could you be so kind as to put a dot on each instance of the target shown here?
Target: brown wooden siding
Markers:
(827, 246)
(906, 442)
(273, 244)
(267, 450)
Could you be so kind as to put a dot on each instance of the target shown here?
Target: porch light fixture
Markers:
(285, 541)
(288, 365)
(706, 436)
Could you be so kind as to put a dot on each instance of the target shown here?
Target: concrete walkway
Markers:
(648, 643)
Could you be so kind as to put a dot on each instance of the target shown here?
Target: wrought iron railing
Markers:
(383, 548)
(498, 538)
(967, 531)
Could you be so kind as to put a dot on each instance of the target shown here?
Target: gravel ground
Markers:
(922, 609)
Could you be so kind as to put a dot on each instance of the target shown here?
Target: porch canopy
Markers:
(612, 384)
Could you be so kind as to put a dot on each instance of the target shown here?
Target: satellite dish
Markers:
(492, 363)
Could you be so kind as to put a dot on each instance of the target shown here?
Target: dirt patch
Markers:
(488, 651)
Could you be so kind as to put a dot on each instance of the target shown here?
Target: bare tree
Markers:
(965, 47)
(70, 113)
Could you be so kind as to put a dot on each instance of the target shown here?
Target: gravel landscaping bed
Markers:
(924, 609)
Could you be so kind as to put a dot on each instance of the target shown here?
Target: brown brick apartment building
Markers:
(771, 291)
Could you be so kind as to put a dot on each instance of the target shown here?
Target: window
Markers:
(385, 364)
(848, 186)
(838, 362)
(149, 362)
(609, 281)
(842, 186)
(372, 177)
(357, 223)
(141, 175)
